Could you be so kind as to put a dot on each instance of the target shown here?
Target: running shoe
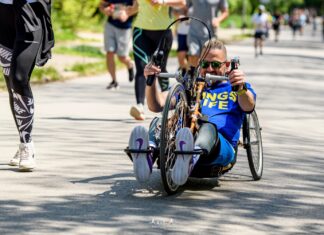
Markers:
(27, 158)
(16, 159)
(142, 162)
(137, 112)
(181, 168)
(113, 86)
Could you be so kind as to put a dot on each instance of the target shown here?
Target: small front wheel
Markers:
(174, 117)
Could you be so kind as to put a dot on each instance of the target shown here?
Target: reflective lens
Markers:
(214, 64)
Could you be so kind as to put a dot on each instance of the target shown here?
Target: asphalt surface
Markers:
(84, 183)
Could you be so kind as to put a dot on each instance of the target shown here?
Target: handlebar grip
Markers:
(169, 75)
(215, 77)
(234, 65)
(150, 79)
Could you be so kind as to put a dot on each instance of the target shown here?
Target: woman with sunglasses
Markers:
(218, 135)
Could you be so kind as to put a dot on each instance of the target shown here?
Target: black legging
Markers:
(144, 44)
(20, 40)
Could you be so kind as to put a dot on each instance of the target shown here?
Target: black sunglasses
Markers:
(215, 64)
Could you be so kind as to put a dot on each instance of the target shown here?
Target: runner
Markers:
(117, 35)
(153, 17)
(26, 38)
(260, 21)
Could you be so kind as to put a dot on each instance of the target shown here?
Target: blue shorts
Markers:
(212, 166)
(226, 152)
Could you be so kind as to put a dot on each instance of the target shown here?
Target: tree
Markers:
(71, 14)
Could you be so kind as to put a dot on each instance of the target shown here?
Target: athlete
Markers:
(219, 132)
(260, 21)
(118, 31)
(26, 38)
(153, 17)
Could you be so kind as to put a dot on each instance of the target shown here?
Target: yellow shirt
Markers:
(151, 17)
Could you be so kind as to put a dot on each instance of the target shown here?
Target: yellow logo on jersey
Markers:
(219, 100)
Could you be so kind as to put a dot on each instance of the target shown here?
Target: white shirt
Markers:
(11, 1)
(260, 22)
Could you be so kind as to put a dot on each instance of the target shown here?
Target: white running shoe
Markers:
(181, 168)
(27, 159)
(15, 160)
(142, 162)
(137, 112)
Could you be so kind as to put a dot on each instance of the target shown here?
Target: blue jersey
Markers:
(220, 104)
(117, 23)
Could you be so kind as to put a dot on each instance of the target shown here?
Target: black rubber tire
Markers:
(175, 109)
(252, 140)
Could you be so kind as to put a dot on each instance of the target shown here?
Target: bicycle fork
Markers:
(195, 113)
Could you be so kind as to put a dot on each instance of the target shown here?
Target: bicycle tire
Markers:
(174, 117)
(253, 144)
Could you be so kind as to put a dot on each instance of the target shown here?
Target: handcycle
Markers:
(182, 109)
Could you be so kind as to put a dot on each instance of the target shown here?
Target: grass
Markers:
(85, 69)
(81, 50)
(62, 35)
(2, 82)
(39, 75)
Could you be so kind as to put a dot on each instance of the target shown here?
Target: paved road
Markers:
(84, 183)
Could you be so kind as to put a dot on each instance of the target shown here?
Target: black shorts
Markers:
(260, 35)
(276, 27)
(182, 42)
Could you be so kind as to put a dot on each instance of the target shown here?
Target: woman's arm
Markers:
(154, 96)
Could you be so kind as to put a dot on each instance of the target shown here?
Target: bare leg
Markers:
(193, 61)
(261, 46)
(111, 66)
(182, 59)
(126, 60)
(256, 47)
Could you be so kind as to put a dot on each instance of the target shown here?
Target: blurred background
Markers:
(78, 27)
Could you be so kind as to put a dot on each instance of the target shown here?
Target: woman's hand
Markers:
(151, 69)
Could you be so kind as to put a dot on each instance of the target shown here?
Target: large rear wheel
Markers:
(253, 144)
(174, 117)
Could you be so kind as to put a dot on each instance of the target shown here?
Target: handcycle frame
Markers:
(182, 110)
(184, 100)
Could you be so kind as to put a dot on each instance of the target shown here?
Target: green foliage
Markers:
(89, 68)
(81, 50)
(75, 14)
(45, 74)
(63, 34)
(236, 21)
(39, 75)
(2, 82)
(283, 6)
(248, 7)
(318, 5)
